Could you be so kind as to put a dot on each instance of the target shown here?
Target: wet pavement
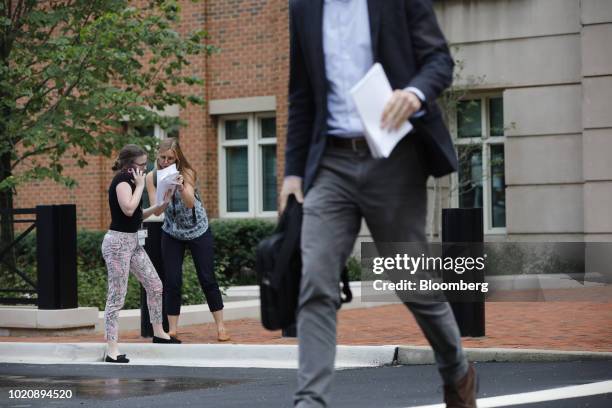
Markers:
(391, 386)
(111, 388)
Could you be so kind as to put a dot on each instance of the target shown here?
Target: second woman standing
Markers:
(185, 225)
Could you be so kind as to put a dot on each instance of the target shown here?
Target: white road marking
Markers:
(574, 391)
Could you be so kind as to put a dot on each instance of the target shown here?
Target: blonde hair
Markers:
(182, 165)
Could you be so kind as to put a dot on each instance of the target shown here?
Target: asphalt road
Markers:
(173, 387)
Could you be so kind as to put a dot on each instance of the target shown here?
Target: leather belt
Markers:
(355, 144)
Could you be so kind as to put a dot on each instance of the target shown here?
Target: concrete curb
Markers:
(266, 356)
(424, 355)
(190, 355)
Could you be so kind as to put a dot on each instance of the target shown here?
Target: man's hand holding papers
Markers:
(402, 105)
(371, 95)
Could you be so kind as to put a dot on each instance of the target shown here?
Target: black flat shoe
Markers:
(120, 359)
(171, 340)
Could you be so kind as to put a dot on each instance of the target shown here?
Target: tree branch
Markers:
(76, 81)
(33, 153)
(20, 10)
(39, 97)
(8, 4)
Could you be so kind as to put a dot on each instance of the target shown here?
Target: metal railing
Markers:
(56, 270)
(10, 266)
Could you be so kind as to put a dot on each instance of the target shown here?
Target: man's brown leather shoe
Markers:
(463, 393)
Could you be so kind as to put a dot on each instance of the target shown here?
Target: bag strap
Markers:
(193, 210)
(281, 225)
(291, 231)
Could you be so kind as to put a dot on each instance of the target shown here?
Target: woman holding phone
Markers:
(185, 225)
(123, 252)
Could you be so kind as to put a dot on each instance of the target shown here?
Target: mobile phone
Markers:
(131, 170)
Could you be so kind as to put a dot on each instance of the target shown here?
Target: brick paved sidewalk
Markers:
(545, 325)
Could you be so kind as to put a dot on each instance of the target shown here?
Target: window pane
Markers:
(173, 131)
(496, 116)
(268, 182)
(268, 127)
(143, 131)
(237, 173)
(468, 119)
(470, 176)
(498, 187)
(236, 129)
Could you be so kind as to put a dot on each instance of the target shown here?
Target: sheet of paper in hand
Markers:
(166, 180)
(370, 95)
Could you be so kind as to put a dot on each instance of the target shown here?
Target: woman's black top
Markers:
(119, 221)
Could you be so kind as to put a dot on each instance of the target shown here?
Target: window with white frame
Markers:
(247, 165)
(157, 131)
(480, 147)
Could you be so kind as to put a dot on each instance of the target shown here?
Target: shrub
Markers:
(92, 286)
(25, 261)
(92, 276)
(354, 269)
(89, 252)
(235, 242)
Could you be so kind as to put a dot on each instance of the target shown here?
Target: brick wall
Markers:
(253, 61)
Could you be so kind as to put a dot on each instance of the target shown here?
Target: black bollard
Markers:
(153, 249)
(56, 252)
(465, 225)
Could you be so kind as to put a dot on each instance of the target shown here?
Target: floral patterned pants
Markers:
(122, 254)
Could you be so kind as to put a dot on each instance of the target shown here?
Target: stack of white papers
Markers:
(371, 95)
(166, 181)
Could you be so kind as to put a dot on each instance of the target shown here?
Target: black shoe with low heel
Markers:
(171, 340)
(120, 359)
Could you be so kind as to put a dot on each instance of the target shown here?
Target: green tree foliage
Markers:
(72, 72)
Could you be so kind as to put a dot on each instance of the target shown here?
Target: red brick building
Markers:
(235, 142)
(528, 183)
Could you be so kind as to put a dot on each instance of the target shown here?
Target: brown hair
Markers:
(127, 155)
(182, 165)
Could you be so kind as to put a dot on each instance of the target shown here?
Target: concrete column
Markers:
(596, 37)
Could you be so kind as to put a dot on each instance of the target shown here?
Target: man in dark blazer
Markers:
(333, 44)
